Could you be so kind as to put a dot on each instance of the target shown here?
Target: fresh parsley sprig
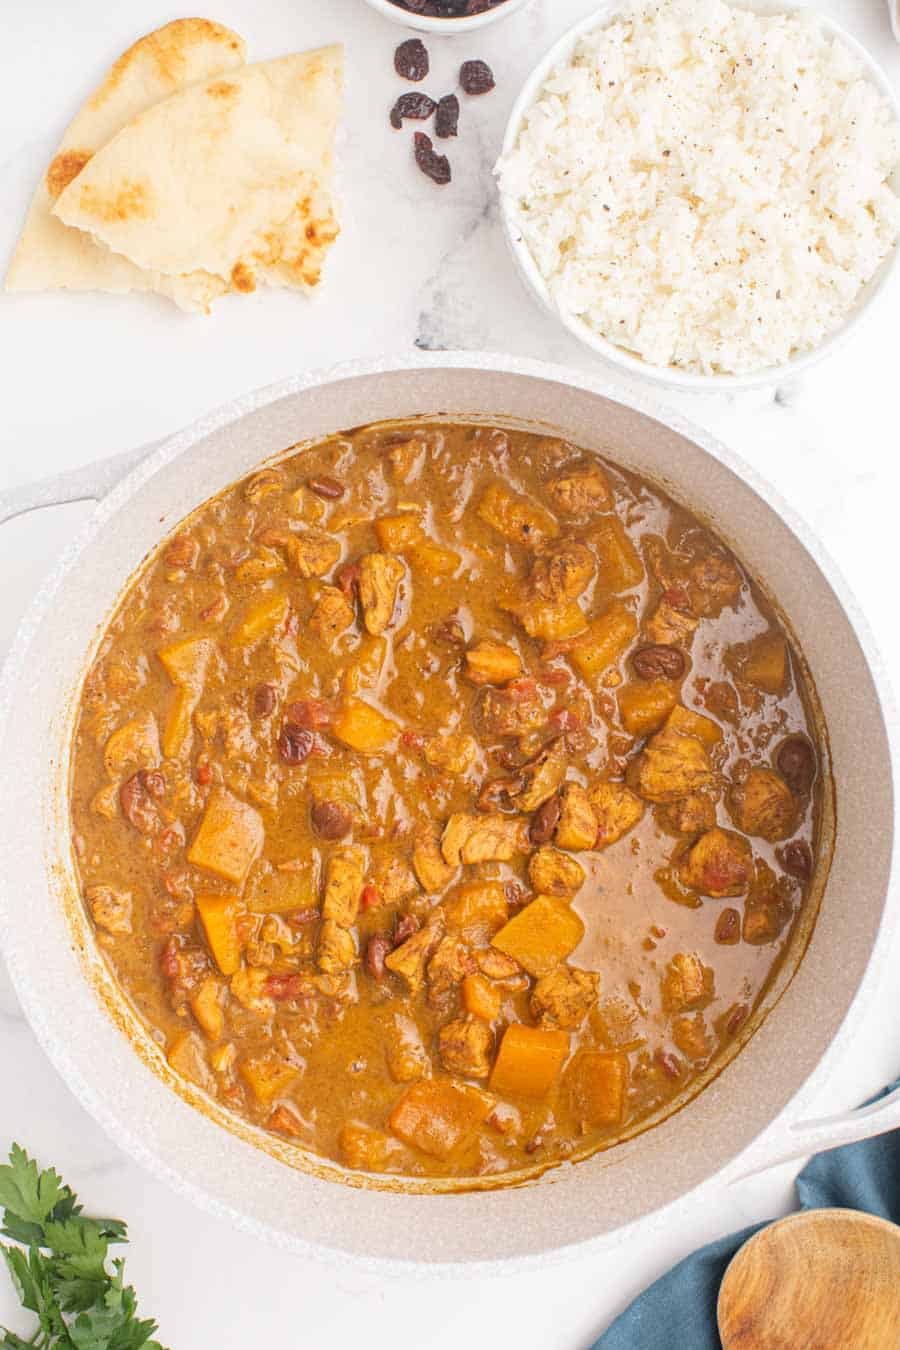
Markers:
(59, 1266)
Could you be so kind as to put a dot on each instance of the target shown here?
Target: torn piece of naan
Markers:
(49, 256)
(230, 178)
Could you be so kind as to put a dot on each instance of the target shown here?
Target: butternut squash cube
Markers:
(620, 567)
(363, 728)
(644, 707)
(541, 935)
(604, 643)
(438, 1116)
(688, 723)
(481, 998)
(433, 561)
(262, 619)
(282, 890)
(267, 1075)
(477, 910)
(529, 1061)
(516, 518)
(767, 663)
(207, 1009)
(187, 662)
(553, 623)
(595, 1083)
(230, 838)
(398, 533)
(218, 915)
(178, 731)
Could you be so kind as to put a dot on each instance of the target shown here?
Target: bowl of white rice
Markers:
(707, 194)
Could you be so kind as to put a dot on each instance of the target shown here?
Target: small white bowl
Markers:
(672, 376)
(445, 27)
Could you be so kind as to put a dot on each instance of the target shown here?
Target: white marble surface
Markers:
(85, 376)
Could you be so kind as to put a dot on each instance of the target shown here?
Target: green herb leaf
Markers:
(32, 1196)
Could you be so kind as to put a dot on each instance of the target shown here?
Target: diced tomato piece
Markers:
(347, 577)
(168, 960)
(412, 740)
(563, 720)
(522, 690)
(283, 986)
(316, 714)
(285, 1122)
(371, 896)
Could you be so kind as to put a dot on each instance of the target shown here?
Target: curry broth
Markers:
(349, 986)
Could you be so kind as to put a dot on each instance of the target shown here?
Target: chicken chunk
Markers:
(428, 864)
(561, 571)
(511, 711)
(380, 575)
(768, 908)
(689, 815)
(453, 752)
(554, 873)
(762, 803)
(576, 828)
(563, 999)
(134, 745)
(491, 662)
(617, 810)
(492, 838)
(411, 957)
(465, 1046)
(110, 908)
(714, 583)
(344, 878)
(581, 489)
(333, 614)
(394, 879)
(691, 1035)
(686, 983)
(540, 777)
(719, 864)
(670, 766)
(364, 1149)
(497, 965)
(451, 962)
(337, 948)
(671, 626)
(407, 1058)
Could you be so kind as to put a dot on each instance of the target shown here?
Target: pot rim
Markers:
(119, 498)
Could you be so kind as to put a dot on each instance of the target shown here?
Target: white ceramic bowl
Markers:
(671, 376)
(266, 1187)
(445, 27)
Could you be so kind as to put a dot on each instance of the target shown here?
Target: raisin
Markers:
(415, 105)
(295, 743)
(329, 488)
(434, 166)
(670, 1064)
(406, 925)
(795, 760)
(446, 123)
(264, 698)
(476, 77)
(728, 927)
(411, 60)
(796, 859)
(450, 633)
(544, 821)
(331, 820)
(313, 713)
(658, 662)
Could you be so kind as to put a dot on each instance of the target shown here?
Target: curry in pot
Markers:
(445, 799)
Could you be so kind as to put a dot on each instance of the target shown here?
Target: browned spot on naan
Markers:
(242, 279)
(129, 202)
(167, 48)
(66, 166)
(221, 89)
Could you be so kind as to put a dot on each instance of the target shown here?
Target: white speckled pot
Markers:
(122, 1079)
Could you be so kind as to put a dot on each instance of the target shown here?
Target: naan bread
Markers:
(230, 178)
(51, 257)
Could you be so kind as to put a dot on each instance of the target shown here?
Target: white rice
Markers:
(706, 187)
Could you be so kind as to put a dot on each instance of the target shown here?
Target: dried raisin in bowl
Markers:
(425, 23)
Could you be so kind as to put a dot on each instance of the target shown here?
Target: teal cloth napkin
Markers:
(680, 1308)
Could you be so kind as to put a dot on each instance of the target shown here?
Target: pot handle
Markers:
(91, 482)
(803, 1138)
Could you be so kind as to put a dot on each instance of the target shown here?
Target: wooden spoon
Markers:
(826, 1279)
